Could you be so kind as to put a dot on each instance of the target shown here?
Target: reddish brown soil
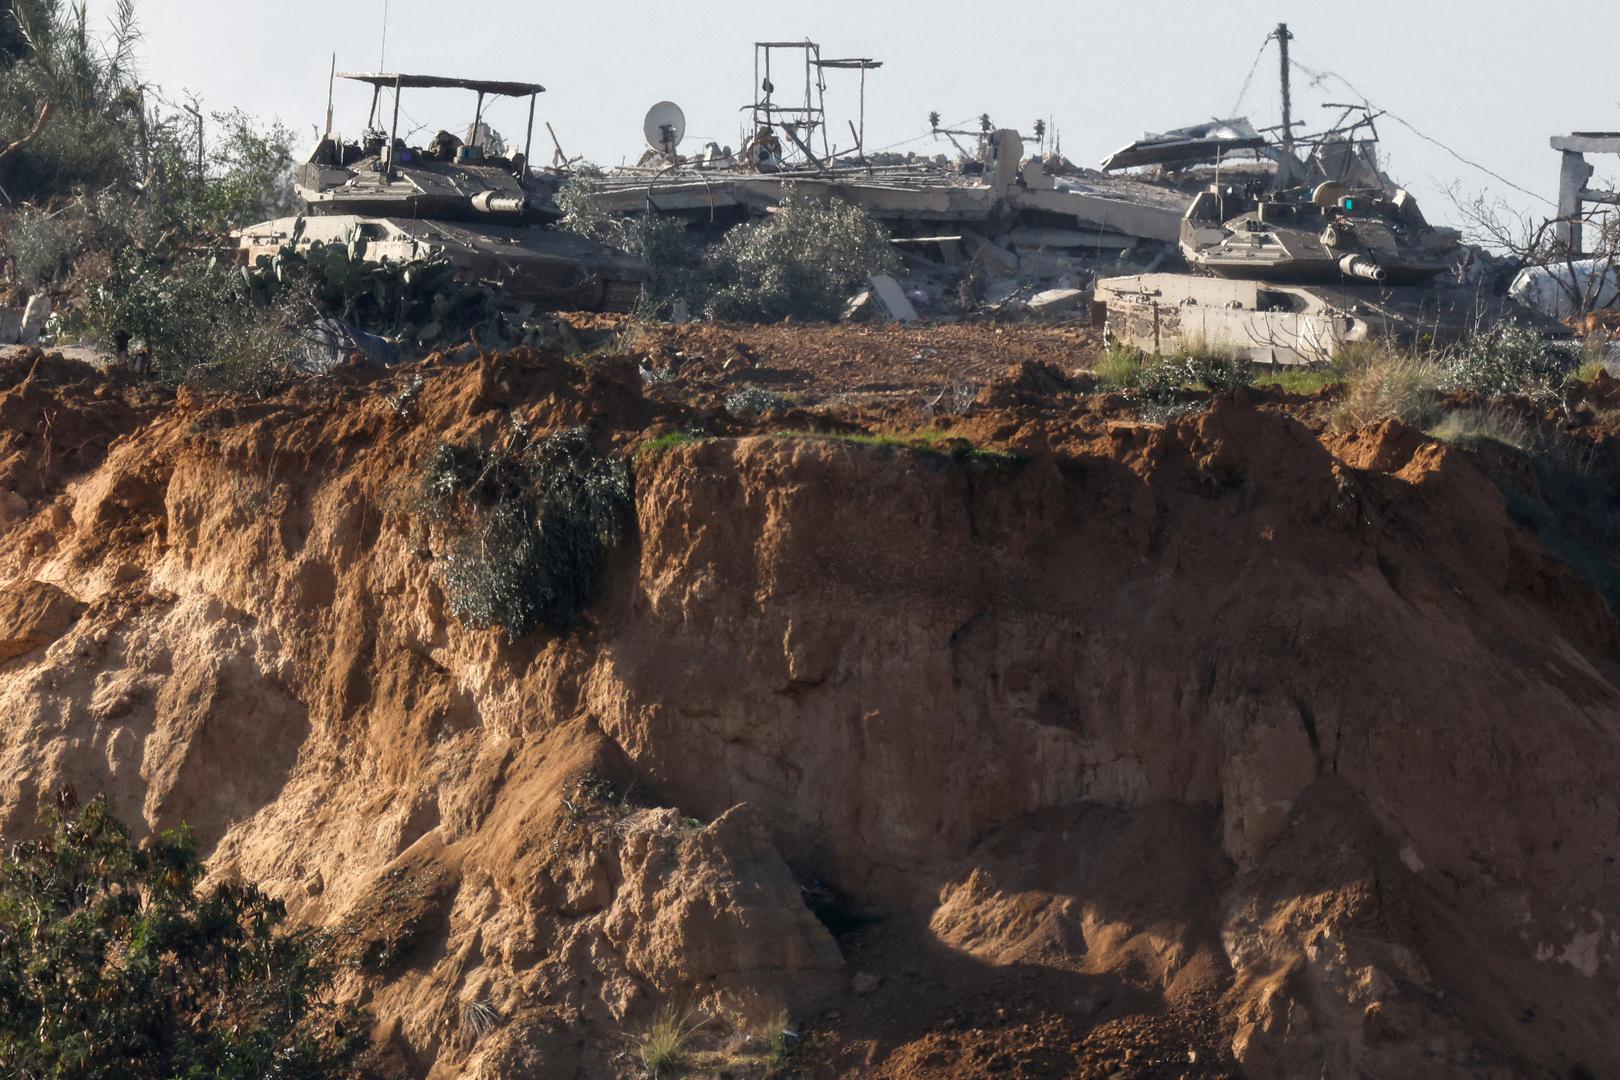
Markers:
(857, 359)
(1229, 746)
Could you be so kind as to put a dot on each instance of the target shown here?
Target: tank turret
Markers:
(470, 202)
(1322, 235)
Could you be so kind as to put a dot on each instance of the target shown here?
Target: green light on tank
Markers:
(1349, 204)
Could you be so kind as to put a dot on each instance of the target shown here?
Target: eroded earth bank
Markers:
(1225, 746)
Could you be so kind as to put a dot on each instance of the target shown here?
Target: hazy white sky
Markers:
(1490, 78)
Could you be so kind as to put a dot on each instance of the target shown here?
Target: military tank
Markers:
(1334, 235)
(1291, 277)
(465, 201)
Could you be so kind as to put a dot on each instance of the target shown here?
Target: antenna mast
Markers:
(1283, 38)
(331, 81)
(382, 54)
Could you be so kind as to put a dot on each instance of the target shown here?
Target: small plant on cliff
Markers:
(661, 1048)
(529, 524)
(114, 964)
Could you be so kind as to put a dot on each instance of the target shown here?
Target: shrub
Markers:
(199, 322)
(781, 1040)
(1158, 384)
(530, 525)
(114, 965)
(801, 263)
(674, 260)
(1214, 368)
(39, 246)
(752, 400)
(1506, 360)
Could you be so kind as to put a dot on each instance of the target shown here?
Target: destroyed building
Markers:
(997, 226)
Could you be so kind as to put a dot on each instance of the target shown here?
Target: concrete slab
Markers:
(1057, 301)
(893, 298)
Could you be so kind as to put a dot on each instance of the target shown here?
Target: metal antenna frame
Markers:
(810, 116)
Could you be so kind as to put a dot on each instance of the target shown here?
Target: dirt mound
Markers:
(58, 419)
(1167, 750)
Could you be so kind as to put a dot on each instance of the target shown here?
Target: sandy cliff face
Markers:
(1256, 749)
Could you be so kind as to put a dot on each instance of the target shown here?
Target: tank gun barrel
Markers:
(491, 202)
(1359, 266)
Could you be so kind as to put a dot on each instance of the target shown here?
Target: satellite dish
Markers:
(664, 127)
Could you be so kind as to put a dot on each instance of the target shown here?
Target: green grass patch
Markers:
(669, 440)
(932, 441)
(1306, 381)
(1589, 371)
(1118, 367)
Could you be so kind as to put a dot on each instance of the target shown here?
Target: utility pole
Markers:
(197, 114)
(1283, 38)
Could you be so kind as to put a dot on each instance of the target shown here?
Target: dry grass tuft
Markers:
(1387, 384)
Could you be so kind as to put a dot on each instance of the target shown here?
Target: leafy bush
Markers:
(113, 965)
(674, 260)
(95, 124)
(530, 525)
(199, 322)
(39, 246)
(1507, 360)
(1158, 384)
(1215, 369)
(802, 262)
(421, 300)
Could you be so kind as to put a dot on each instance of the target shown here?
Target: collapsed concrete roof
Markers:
(1198, 144)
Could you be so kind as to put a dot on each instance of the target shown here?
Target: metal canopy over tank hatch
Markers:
(465, 200)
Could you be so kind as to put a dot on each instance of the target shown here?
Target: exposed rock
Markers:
(32, 615)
